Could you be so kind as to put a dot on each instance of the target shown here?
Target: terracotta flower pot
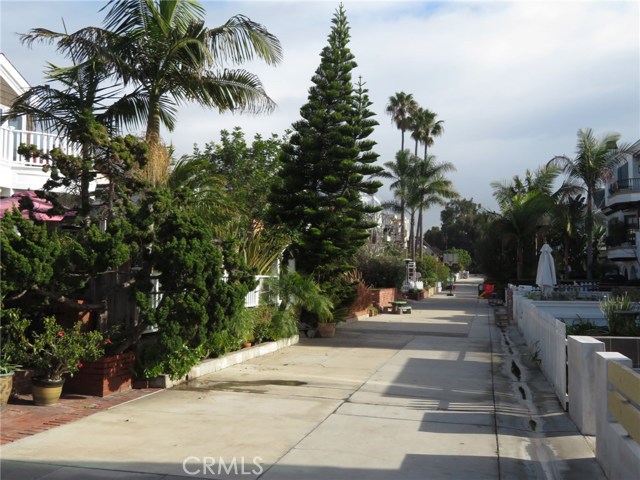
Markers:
(45, 391)
(327, 330)
(6, 384)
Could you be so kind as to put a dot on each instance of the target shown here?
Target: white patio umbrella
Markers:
(546, 276)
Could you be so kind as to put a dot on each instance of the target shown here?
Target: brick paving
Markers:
(21, 418)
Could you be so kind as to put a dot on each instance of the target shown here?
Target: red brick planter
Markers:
(382, 297)
(104, 376)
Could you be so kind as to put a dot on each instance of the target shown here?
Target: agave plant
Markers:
(620, 323)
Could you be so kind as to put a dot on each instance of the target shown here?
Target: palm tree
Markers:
(400, 172)
(169, 57)
(567, 220)
(401, 106)
(432, 188)
(519, 222)
(202, 190)
(424, 128)
(593, 164)
(523, 204)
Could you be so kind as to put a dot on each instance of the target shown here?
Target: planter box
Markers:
(215, 364)
(419, 295)
(104, 376)
(357, 316)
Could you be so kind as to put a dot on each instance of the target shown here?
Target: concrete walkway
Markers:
(431, 395)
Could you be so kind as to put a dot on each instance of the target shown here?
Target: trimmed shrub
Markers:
(381, 271)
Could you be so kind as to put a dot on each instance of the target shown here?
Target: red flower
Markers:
(107, 341)
(60, 334)
(79, 365)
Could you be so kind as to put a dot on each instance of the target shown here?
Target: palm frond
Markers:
(240, 40)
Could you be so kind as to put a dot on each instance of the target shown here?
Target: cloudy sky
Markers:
(513, 81)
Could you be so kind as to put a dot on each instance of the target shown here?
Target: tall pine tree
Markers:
(327, 164)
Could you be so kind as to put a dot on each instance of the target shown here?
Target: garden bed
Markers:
(212, 365)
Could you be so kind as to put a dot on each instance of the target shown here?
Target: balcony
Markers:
(18, 173)
(624, 248)
(623, 193)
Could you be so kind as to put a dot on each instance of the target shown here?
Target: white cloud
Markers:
(514, 81)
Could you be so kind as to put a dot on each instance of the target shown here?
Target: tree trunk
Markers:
(519, 258)
(565, 259)
(153, 121)
(157, 168)
(85, 180)
(403, 231)
(412, 243)
(589, 228)
(419, 234)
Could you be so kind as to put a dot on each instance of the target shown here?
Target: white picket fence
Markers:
(546, 338)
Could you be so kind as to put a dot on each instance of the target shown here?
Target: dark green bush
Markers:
(284, 324)
(432, 271)
(200, 313)
(381, 271)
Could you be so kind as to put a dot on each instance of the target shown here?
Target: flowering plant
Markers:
(54, 350)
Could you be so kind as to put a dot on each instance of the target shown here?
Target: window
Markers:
(623, 174)
(631, 221)
(17, 123)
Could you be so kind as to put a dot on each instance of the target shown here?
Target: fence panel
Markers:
(546, 336)
(253, 297)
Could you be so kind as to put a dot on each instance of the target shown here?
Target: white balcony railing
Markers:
(253, 298)
(10, 140)
(18, 173)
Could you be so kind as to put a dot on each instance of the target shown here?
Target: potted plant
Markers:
(7, 364)
(327, 329)
(53, 352)
(7, 370)
(327, 317)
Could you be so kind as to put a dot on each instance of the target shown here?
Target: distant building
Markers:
(620, 203)
(388, 229)
(433, 251)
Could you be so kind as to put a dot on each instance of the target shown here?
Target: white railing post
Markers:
(11, 147)
(582, 381)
